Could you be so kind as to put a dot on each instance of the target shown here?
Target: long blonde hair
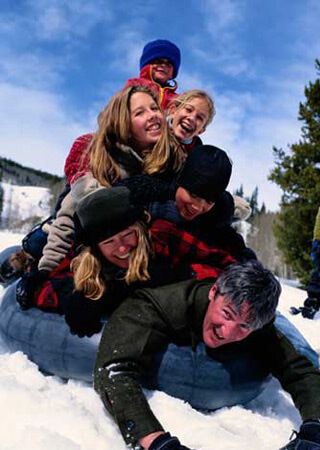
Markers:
(88, 265)
(113, 128)
(168, 150)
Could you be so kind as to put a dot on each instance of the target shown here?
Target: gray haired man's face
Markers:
(222, 323)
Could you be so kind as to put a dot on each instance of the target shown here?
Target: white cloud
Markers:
(35, 129)
(60, 19)
(223, 14)
(29, 69)
(248, 125)
(127, 45)
(222, 21)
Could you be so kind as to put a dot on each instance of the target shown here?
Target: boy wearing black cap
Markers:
(159, 65)
(202, 181)
(200, 184)
(196, 204)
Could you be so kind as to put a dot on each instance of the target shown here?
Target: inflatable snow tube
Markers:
(195, 377)
(7, 273)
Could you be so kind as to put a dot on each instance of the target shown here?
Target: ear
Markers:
(202, 131)
(212, 292)
(172, 110)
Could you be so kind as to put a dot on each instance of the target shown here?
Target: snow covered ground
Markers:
(41, 412)
(19, 202)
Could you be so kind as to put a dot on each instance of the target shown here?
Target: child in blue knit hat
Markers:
(159, 65)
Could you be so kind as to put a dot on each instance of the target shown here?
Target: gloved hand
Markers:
(308, 310)
(308, 437)
(26, 287)
(167, 442)
(81, 314)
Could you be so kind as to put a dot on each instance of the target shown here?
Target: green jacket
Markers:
(146, 323)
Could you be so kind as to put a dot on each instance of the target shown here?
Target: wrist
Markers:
(146, 441)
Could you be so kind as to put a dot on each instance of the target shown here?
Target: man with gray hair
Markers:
(239, 306)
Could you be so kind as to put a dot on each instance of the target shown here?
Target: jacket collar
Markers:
(129, 161)
(197, 308)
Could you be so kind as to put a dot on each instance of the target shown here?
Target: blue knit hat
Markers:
(161, 48)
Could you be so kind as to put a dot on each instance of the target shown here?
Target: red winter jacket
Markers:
(166, 93)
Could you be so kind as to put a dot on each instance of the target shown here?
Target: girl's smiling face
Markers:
(190, 118)
(118, 248)
(146, 121)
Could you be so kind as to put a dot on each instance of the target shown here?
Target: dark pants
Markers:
(313, 286)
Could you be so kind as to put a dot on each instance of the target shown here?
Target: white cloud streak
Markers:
(35, 129)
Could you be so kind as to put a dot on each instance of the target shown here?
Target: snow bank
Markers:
(40, 412)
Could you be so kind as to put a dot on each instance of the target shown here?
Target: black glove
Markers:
(309, 308)
(81, 314)
(308, 437)
(167, 442)
(26, 287)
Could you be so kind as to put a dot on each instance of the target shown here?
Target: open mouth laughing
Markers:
(186, 127)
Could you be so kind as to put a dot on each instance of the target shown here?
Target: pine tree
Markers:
(254, 201)
(239, 191)
(298, 175)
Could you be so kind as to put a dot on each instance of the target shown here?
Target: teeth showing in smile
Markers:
(153, 127)
(123, 256)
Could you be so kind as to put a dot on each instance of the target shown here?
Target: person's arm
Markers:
(145, 189)
(60, 237)
(135, 332)
(128, 341)
(84, 185)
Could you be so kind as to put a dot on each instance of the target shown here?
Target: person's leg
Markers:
(312, 303)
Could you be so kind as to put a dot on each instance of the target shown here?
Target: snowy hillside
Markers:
(22, 202)
(41, 412)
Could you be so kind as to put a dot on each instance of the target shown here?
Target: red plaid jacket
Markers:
(181, 248)
(188, 256)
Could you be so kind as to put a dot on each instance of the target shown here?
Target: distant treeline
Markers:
(12, 172)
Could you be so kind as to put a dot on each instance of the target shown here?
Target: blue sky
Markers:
(61, 61)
